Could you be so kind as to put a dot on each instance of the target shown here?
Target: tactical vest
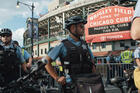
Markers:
(10, 58)
(126, 56)
(1, 55)
(10, 69)
(78, 57)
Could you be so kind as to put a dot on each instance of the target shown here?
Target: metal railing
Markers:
(111, 70)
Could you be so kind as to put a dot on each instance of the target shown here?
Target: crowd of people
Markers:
(75, 57)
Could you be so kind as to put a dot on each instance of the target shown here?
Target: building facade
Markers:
(51, 27)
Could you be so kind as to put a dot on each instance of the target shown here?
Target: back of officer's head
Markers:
(16, 43)
(6, 35)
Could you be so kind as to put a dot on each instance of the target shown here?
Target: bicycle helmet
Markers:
(74, 20)
(5, 31)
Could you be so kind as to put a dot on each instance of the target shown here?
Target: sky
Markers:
(15, 18)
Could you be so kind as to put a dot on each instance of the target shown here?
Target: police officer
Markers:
(27, 57)
(11, 56)
(127, 57)
(25, 54)
(73, 52)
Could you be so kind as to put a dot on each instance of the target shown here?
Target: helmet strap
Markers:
(76, 33)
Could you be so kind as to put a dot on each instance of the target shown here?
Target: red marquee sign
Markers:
(108, 24)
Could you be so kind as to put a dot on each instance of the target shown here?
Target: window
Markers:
(122, 44)
(133, 43)
(45, 50)
(89, 44)
(94, 46)
(103, 45)
(35, 52)
(41, 51)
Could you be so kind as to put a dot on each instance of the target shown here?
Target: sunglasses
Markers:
(7, 35)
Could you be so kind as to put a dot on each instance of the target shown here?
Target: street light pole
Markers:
(32, 30)
(31, 7)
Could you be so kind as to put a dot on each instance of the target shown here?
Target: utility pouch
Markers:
(90, 83)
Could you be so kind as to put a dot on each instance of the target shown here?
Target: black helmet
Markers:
(74, 20)
(16, 42)
(5, 31)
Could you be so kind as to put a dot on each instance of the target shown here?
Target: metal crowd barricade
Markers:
(116, 69)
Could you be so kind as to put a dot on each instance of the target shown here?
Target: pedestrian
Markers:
(135, 27)
(11, 57)
(75, 55)
(110, 67)
(118, 66)
(137, 53)
(127, 58)
(137, 57)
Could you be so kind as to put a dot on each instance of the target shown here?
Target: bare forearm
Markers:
(51, 70)
(30, 60)
(24, 66)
